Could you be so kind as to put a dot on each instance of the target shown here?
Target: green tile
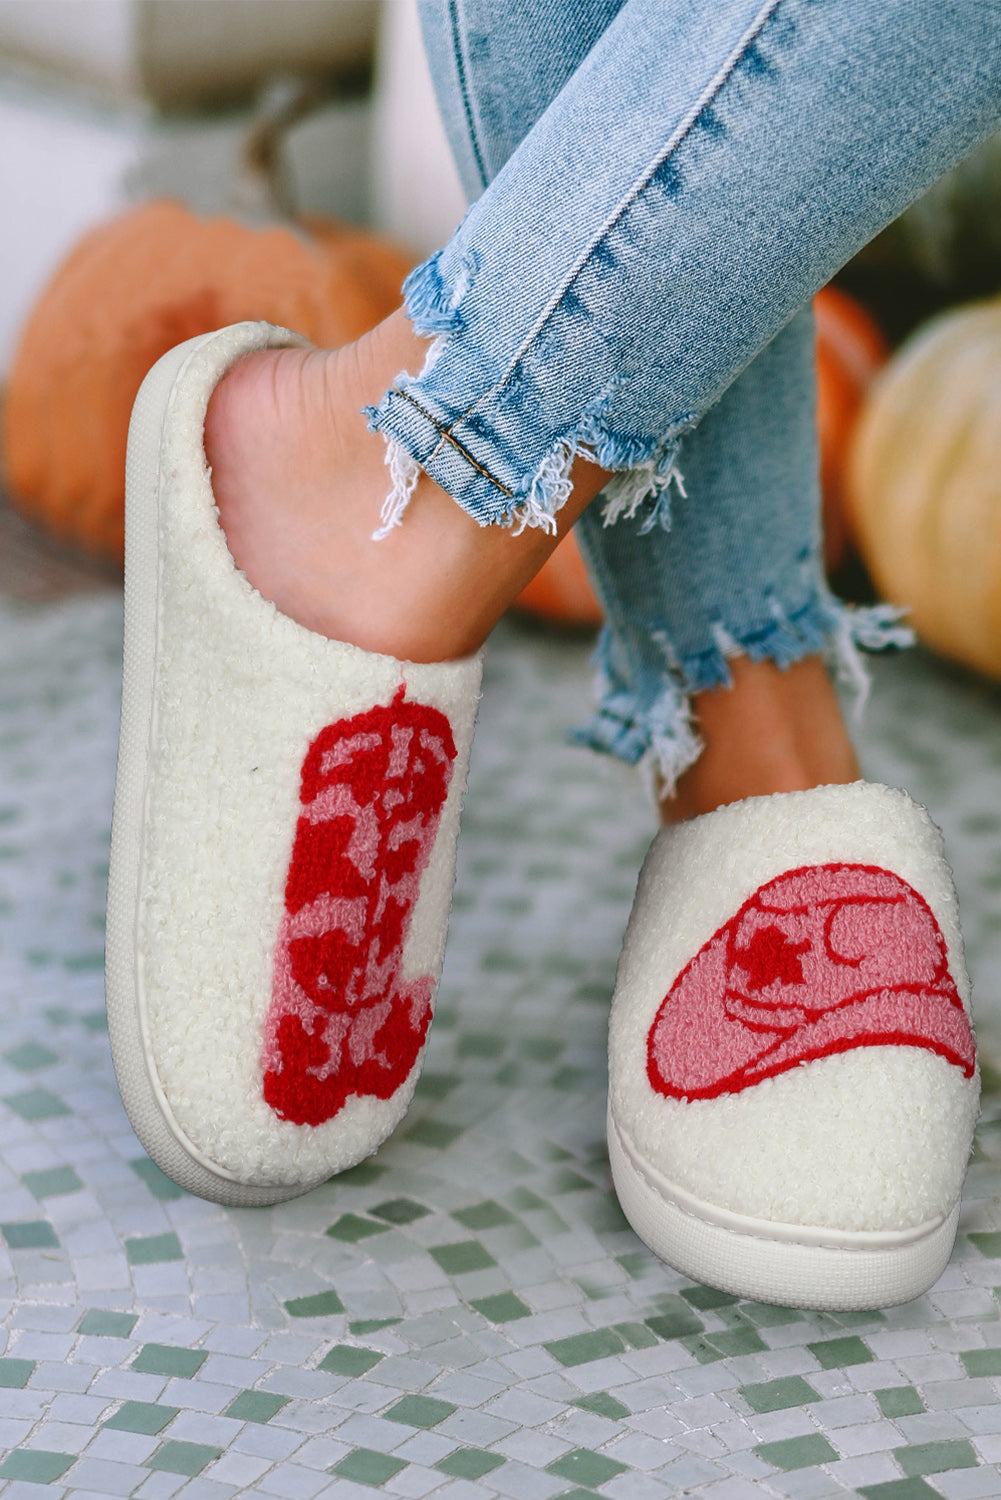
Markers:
(183, 1458)
(566, 1180)
(603, 1405)
(582, 1348)
(141, 1416)
(899, 1489)
(481, 1044)
(837, 1354)
(36, 1104)
(767, 1315)
(705, 1298)
(420, 1411)
(541, 1049)
(400, 1211)
(594, 1290)
(469, 1463)
(524, 1200)
(433, 1133)
(85, 963)
(360, 1326)
(349, 1359)
(899, 1401)
(569, 1077)
(350, 1228)
(675, 1322)
(636, 1335)
(159, 1184)
(985, 1362)
(635, 1264)
(935, 1458)
(461, 1257)
(503, 1308)
(737, 1341)
(698, 1345)
(316, 1305)
(30, 1056)
(858, 1318)
(500, 960)
(776, 1395)
(438, 1085)
(486, 1215)
(15, 1373)
(99, 1322)
(255, 1406)
(30, 1234)
(36, 1465)
(153, 1249)
(168, 1359)
(52, 1182)
(366, 1466)
(519, 1237)
(585, 1467)
(987, 1244)
(797, 1452)
(363, 1175)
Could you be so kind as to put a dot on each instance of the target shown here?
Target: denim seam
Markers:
(445, 433)
(467, 104)
(639, 187)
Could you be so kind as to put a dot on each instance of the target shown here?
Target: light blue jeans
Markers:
(660, 186)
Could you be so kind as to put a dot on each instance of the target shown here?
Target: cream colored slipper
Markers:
(792, 1070)
(283, 847)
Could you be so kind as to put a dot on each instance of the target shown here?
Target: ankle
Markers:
(774, 730)
(300, 483)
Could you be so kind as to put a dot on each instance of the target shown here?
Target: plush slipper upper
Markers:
(791, 1037)
(300, 817)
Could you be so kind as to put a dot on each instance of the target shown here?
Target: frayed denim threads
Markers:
(644, 714)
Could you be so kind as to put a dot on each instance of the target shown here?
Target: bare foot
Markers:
(775, 730)
(300, 481)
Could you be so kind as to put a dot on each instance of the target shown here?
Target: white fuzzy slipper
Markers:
(792, 1071)
(283, 844)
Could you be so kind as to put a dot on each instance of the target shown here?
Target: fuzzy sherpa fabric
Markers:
(241, 694)
(790, 1036)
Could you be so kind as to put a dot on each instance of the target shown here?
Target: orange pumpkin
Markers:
(850, 350)
(131, 290)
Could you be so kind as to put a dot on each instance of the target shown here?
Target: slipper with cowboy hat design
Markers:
(792, 1069)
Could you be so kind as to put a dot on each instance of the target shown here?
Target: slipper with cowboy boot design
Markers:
(793, 1084)
(283, 845)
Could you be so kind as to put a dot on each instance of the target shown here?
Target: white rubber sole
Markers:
(788, 1264)
(142, 1095)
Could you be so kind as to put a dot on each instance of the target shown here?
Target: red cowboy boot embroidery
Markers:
(342, 1020)
(820, 960)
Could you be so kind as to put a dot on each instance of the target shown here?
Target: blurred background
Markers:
(468, 1314)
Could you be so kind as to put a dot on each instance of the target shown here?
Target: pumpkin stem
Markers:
(262, 190)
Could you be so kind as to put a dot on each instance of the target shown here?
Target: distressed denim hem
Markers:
(653, 726)
(420, 438)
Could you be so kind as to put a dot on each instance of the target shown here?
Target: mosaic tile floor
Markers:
(468, 1315)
